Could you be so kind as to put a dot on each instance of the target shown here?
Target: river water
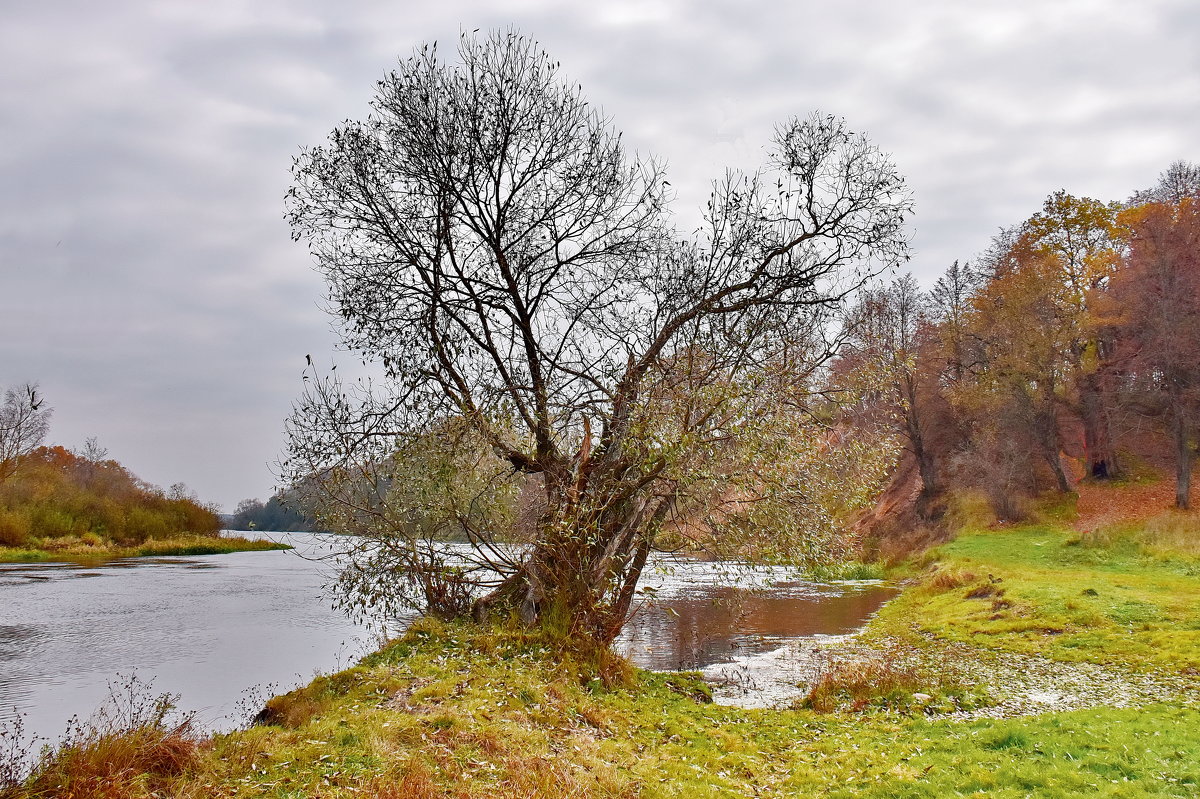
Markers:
(226, 631)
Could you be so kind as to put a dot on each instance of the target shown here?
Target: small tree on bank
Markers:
(24, 422)
(562, 370)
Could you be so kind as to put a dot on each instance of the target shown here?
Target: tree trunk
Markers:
(1064, 485)
(1050, 438)
(1183, 459)
(926, 468)
(1100, 457)
(584, 571)
(916, 440)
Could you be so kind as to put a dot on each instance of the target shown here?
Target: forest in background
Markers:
(280, 513)
(1068, 350)
(55, 499)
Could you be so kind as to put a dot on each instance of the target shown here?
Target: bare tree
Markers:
(542, 331)
(1177, 182)
(24, 421)
(950, 303)
(891, 324)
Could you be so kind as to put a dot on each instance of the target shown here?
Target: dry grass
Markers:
(1174, 532)
(948, 580)
(414, 782)
(984, 591)
(132, 748)
(886, 679)
(91, 549)
(534, 778)
(523, 778)
(1170, 534)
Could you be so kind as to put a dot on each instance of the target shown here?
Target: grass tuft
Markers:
(858, 684)
(133, 747)
(948, 580)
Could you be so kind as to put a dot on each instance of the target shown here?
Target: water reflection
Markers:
(205, 627)
(714, 624)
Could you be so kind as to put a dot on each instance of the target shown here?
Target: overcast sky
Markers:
(149, 283)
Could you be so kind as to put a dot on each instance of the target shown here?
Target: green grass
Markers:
(1041, 590)
(77, 550)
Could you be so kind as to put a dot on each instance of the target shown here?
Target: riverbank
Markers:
(1036, 660)
(95, 549)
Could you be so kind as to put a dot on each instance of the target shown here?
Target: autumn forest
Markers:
(1069, 349)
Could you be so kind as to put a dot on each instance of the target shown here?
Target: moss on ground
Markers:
(451, 711)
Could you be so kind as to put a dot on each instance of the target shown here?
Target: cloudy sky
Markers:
(148, 281)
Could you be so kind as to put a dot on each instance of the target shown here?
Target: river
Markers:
(226, 631)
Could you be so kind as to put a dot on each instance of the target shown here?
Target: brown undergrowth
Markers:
(1102, 504)
(132, 748)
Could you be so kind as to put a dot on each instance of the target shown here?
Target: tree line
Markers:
(1069, 349)
(52, 497)
(280, 513)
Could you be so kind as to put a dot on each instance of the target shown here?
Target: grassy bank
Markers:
(1125, 594)
(452, 710)
(94, 548)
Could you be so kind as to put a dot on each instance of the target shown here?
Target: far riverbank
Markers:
(95, 549)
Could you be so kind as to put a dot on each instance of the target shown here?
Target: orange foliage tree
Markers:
(1157, 302)
(1078, 238)
(1067, 330)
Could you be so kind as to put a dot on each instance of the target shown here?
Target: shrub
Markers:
(893, 679)
(860, 683)
(968, 509)
(14, 528)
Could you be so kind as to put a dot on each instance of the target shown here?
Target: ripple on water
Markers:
(17, 640)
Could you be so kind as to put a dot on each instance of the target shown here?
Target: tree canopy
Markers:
(1069, 347)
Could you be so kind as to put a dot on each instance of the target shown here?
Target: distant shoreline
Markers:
(178, 546)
